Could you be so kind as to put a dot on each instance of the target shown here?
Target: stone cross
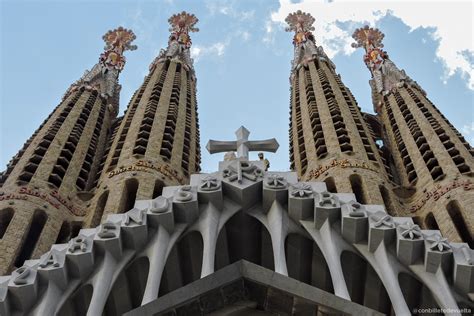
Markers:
(242, 145)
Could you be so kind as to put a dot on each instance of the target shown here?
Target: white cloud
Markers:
(227, 8)
(468, 132)
(269, 37)
(452, 23)
(245, 36)
(214, 50)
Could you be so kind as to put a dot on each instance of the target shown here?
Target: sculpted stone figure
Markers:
(229, 156)
(265, 161)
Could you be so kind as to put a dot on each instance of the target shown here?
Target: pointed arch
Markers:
(246, 238)
(299, 256)
(129, 287)
(416, 294)
(363, 283)
(184, 263)
(78, 303)
(320, 274)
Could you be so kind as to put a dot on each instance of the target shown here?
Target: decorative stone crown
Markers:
(300, 22)
(368, 37)
(116, 43)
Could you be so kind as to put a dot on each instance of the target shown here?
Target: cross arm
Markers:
(217, 146)
(270, 145)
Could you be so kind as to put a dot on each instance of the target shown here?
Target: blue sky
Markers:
(242, 58)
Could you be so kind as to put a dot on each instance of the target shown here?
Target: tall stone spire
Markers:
(179, 42)
(330, 139)
(433, 160)
(386, 76)
(156, 142)
(44, 186)
(306, 49)
(103, 77)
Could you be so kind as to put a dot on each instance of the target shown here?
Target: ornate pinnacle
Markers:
(103, 77)
(299, 22)
(183, 23)
(116, 42)
(119, 40)
(386, 77)
(305, 45)
(368, 38)
(179, 41)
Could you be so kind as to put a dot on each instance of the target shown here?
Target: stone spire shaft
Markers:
(430, 155)
(45, 184)
(156, 142)
(330, 138)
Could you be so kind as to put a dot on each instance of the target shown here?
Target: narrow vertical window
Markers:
(31, 239)
(387, 200)
(64, 233)
(6, 216)
(358, 188)
(131, 188)
(157, 189)
(455, 212)
(330, 185)
(100, 209)
(430, 222)
(417, 221)
(75, 228)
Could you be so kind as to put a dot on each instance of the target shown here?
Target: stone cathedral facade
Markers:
(106, 215)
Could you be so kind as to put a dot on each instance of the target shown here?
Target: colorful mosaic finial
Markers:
(368, 38)
(299, 21)
(371, 40)
(179, 41)
(302, 24)
(183, 23)
(116, 42)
